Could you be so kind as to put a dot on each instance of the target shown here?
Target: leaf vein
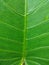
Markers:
(38, 58)
(34, 62)
(37, 8)
(38, 36)
(38, 24)
(11, 26)
(12, 10)
(38, 48)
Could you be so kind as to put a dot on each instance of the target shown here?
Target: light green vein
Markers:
(12, 10)
(37, 8)
(15, 62)
(11, 26)
(41, 35)
(45, 59)
(11, 40)
(9, 51)
(25, 25)
(33, 62)
(42, 22)
(39, 48)
(24, 41)
(8, 59)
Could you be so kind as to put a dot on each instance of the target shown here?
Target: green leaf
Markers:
(24, 32)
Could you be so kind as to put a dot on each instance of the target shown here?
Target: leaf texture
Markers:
(24, 32)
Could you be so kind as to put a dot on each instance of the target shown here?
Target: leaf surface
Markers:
(24, 32)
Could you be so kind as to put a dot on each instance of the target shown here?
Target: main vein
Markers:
(24, 42)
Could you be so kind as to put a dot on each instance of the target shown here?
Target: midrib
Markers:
(24, 42)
